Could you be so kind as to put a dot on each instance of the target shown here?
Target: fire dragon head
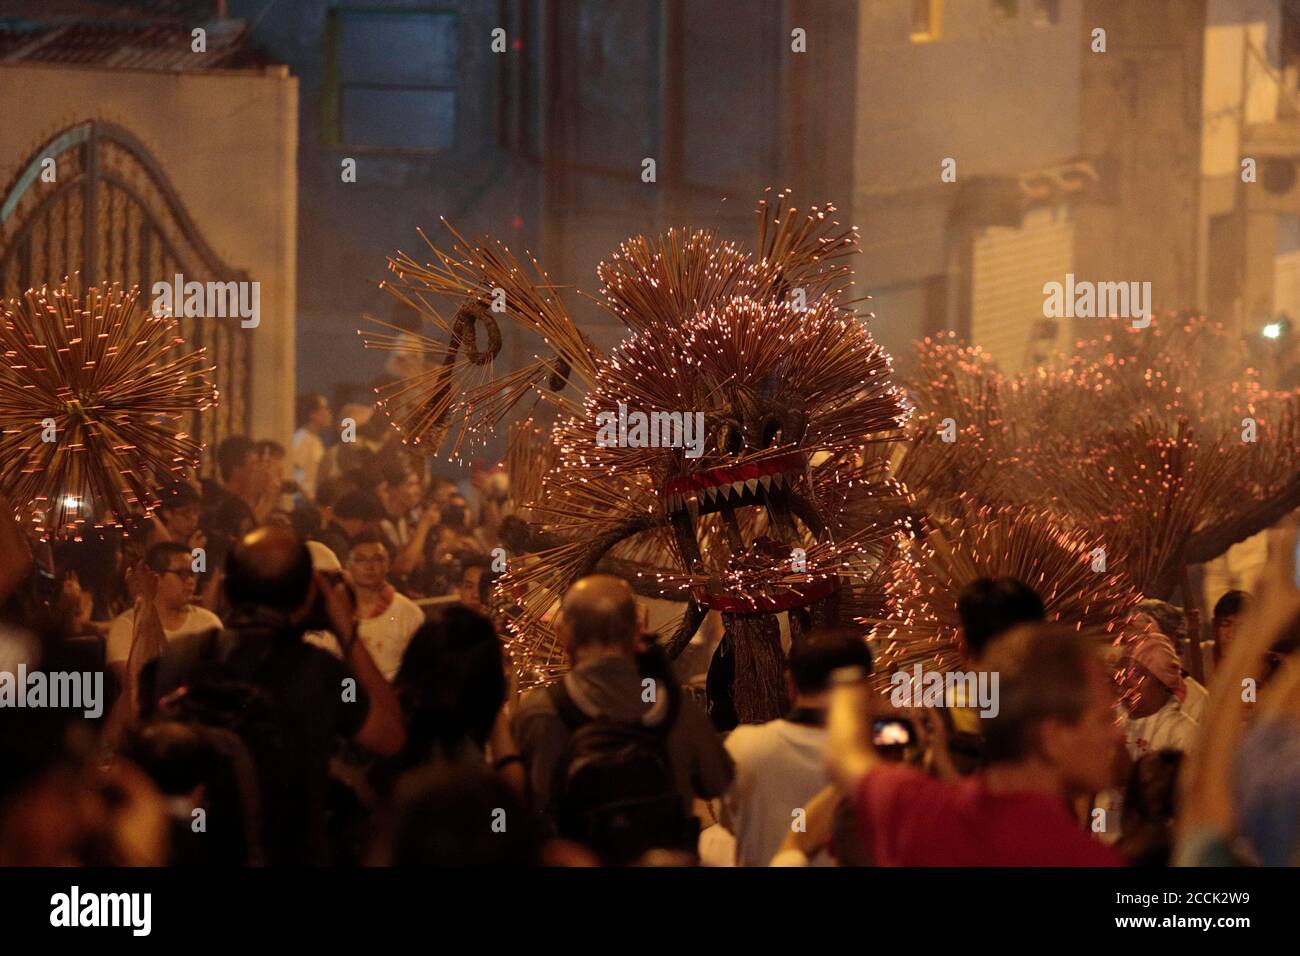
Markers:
(721, 453)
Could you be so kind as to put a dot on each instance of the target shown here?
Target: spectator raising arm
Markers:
(1207, 820)
(412, 553)
(382, 731)
(849, 753)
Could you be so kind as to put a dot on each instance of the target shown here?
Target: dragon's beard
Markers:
(752, 549)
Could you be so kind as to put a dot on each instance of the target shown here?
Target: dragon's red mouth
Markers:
(770, 483)
(714, 489)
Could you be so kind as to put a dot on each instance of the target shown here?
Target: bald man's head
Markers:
(599, 611)
(271, 568)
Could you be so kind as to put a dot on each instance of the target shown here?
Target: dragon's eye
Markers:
(772, 428)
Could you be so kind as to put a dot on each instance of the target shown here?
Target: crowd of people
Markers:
(305, 664)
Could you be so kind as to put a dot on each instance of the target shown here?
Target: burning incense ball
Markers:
(94, 394)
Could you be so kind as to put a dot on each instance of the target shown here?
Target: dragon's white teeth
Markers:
(716, 494)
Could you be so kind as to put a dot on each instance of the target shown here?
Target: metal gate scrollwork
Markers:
(113, 216)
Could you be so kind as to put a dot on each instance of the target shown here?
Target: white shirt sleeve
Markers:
(304, 460)
(118, 646)
(200, 619)
(413, 615)
(410, 617)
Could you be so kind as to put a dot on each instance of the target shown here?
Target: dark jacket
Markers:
(613, 686)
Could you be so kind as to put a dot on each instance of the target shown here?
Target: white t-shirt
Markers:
(305, 458)
(779, 768)
(385, 636)
(1168, 728)
(1197, 699)
(122, 631)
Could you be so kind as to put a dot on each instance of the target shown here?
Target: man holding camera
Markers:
(316, 699)
(1054, 736)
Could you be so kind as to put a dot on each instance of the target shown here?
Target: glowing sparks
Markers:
(713, 329)
(93, 398)
(1028, 544)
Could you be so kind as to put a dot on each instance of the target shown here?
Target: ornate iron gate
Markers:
(113, 216)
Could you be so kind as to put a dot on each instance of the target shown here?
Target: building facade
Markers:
(126, 156)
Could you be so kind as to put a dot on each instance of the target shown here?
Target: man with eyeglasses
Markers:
(171, 563)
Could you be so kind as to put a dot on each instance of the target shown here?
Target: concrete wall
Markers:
(1242, 90)
(228, 143)
(1142, 121)
(1241, 50)
(999, 96)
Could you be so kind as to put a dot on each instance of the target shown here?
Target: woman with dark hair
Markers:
(445, 816)
(453, 687)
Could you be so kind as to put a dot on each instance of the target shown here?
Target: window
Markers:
(390, 79)
(926, 17)
(1047, 12)
(1005, 9)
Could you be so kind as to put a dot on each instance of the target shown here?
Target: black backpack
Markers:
(224, 700)
(614, 788)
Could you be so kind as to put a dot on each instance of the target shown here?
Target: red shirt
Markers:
(911, 819)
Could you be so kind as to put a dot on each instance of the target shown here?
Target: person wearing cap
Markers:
(1149, 619)
(1154, 695)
